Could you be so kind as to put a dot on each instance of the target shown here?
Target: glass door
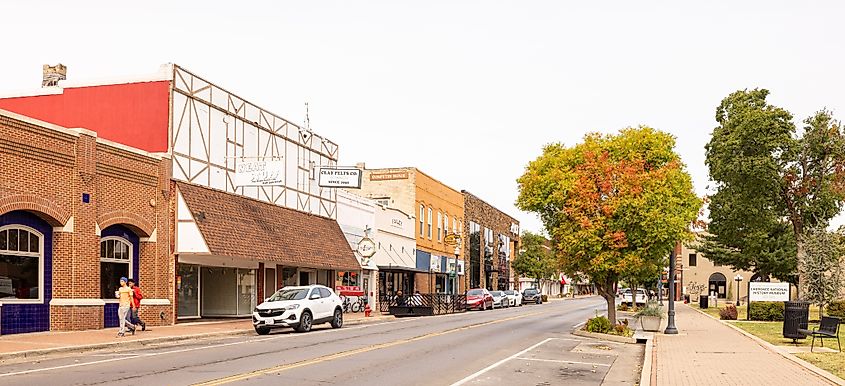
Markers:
(269, 282)
(247, 291)
(187, 291)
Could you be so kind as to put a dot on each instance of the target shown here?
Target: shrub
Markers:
(728, 313)
(836, 308)
(650, 309)
(598, 324)
(621, 330)
(622, 307)
(766, 311)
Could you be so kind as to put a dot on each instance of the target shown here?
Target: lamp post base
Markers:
(670, 331)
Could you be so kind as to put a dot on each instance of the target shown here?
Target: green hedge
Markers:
(766, 311)
(836, 308)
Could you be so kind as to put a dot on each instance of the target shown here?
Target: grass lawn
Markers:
(772, 332)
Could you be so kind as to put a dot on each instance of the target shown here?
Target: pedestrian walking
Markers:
(136, 305)
(124, 294)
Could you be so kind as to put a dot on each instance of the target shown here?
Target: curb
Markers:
(645, 374)
(608, 337)
(148, 341)
(807, 365)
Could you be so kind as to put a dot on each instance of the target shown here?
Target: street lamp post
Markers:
(738, 279)
(660, 289)
(670, 326)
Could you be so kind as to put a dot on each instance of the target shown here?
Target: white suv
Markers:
(300, 308)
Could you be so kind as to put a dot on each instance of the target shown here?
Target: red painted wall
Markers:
(133, 114)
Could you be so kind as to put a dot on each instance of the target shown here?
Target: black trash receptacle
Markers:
(703, 301)
(795, 316)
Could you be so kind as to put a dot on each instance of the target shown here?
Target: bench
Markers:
(829, 328)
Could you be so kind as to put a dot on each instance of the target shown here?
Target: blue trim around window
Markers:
(23, 318)
(110, 309)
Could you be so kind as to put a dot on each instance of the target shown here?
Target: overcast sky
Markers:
(467, 91)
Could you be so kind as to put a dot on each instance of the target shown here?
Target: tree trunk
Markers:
(606, 291)
(800, 257)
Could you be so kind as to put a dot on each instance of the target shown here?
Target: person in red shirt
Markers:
(136, 304)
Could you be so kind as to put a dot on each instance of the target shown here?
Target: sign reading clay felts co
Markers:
(340, 178)
(389, 176)
(768, 292)
(259, 173)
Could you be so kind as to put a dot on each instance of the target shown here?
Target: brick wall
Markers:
(487, 216)
(46, 170)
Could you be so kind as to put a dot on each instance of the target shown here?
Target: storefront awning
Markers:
(241, 227)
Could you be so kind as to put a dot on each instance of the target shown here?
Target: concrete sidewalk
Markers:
(707, 352)
(44, 343)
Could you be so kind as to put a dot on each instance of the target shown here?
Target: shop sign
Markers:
(388, 176)
(452, 239)
(340, 178)
(768, 292)
(259, 173)
(348, 288)
(460, 267)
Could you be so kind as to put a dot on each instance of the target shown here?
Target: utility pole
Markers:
(670, 327)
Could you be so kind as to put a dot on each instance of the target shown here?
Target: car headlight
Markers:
(292, 307)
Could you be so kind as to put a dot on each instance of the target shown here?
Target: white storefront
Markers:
(356, 217)
(395, 250)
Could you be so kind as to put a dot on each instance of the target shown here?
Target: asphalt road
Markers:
(528, 345)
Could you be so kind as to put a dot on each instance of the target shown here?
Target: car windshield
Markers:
(530, 291)
(508, 292)
(475, 292)
(496, 293)
(289, 294)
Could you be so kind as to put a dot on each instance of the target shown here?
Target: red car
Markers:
(479, 299)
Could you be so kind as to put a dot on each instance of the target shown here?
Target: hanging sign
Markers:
(768, 292)
(340, 178)
(366, 248)
(259, 173)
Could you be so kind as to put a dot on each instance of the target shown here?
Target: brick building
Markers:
(493, 239)
(285, 230)
(77, 212)
(439, 211)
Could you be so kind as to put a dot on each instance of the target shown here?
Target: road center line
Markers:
(499, 363)
(308, 362)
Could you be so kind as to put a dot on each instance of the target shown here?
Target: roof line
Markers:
(491, 205)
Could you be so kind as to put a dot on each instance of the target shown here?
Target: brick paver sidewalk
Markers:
(42, 342)
(706, 352)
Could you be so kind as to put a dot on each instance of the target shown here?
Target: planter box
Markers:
(650, 323)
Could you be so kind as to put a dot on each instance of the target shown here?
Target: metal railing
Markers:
(438, 304)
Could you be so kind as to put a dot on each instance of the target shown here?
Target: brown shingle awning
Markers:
(242, 227)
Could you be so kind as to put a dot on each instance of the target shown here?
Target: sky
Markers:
(467, 91)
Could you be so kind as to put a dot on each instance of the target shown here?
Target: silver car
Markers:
(500, 300)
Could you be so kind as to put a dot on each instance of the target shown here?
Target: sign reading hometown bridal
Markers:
(340, 178)
(768, 292)
(259, 173)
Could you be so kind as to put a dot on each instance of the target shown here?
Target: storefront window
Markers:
(187, 290)
(20, 268)
(115, 262)
(345, 278)
(288, 277)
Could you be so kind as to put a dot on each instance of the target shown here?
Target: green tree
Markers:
(614, 204)
(822, 267)
(534, 259)
(772, 184)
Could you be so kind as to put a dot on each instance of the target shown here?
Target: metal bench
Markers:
(829, 328)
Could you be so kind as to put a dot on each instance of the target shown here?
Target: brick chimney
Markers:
(51, 75)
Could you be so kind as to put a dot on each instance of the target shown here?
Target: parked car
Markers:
(479, 299)
(500, 300)
(642, 298)
(532, 295)
(514, 298)
(300, 308)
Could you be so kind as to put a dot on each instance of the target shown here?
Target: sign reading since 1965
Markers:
(340, 178)
(768, 292)
(259, 173)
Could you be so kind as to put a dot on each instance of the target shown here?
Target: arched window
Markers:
(21, 263)
(115, 262)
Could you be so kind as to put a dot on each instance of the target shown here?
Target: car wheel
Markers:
(305, 322)
(262, 330)
(337, 320)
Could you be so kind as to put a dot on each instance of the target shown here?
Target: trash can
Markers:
(795, 316)
(703, 301)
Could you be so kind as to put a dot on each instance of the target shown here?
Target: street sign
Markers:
(340, 178)
(768, 292)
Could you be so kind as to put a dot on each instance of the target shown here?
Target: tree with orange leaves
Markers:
(614, 205)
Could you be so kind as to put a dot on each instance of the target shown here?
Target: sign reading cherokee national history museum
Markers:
(259, 173)
(340, 178)
(768, 292)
